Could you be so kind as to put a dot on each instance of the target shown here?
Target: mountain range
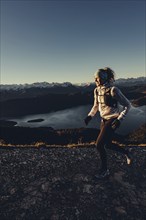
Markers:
(21, 91)
(129, 81)
(36, 98)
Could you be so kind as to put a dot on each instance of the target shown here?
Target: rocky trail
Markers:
(56, 183)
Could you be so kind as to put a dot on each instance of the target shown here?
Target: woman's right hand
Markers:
(87, 120)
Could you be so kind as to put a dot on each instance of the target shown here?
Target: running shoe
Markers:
(128, 158)
(102, 174)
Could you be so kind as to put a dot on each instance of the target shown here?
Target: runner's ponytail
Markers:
(110, 74)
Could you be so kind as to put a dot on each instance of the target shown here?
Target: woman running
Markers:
(106, 100)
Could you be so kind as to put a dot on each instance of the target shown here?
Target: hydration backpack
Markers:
(105, 97)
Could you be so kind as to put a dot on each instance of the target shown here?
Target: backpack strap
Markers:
(108, 97)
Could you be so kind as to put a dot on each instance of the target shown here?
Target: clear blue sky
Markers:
(67, 41)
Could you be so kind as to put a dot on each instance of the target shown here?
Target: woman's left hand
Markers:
(115, 124)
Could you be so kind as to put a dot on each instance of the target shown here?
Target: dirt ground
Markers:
(58, 184)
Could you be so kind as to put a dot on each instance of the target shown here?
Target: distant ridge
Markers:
(34, 85)
(47, 85)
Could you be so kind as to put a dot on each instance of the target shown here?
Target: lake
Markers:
(74, 118)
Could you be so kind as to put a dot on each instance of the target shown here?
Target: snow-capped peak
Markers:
(33, 85)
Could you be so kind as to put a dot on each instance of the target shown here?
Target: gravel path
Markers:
(58, 184)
